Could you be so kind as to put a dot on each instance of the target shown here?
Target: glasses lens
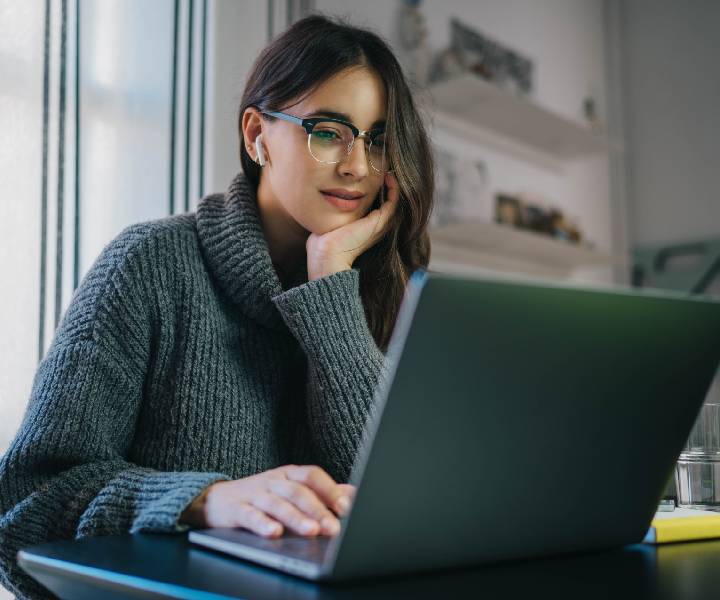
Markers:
(378, 153)
(330, 141)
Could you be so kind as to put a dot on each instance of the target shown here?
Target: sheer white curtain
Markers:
(21, 123)
(126, 60)
(56, 219)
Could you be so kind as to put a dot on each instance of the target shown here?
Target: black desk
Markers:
(168, 566)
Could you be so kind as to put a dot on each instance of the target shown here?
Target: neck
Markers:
(286, 239)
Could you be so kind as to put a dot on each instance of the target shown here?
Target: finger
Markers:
(375, 222)
(393, 191)
(392, 185)
(349, 491)
(321, 483)
(286, 513)
(388, 207)
(249, 517)
(384, 214)
(308, 502)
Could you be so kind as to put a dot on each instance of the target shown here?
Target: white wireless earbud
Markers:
(259, 149)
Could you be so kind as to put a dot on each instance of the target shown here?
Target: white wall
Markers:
(565, 41)
(672, 94)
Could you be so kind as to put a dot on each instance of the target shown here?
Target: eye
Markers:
(331, 132)
(326, 134)
(378, 140)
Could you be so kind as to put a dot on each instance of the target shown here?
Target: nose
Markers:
(356, 163)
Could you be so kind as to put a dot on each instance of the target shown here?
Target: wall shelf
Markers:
(467, 103)
(478, 245)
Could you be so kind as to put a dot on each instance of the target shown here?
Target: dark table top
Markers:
(168, 566)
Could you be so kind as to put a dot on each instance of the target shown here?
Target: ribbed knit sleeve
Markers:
(66, 473)
(345, 365)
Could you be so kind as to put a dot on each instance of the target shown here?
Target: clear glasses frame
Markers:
(309, 125)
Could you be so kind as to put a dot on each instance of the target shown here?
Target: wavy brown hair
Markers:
(296, 63)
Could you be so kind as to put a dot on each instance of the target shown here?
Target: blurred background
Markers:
(575, 139)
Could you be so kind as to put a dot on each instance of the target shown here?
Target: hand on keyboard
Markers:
(302, 497)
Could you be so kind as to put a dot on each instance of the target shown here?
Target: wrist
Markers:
(194, 513)
(323, 270)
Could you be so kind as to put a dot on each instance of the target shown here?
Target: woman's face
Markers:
(294, 180)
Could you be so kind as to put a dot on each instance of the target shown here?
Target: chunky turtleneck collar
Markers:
(234, 245)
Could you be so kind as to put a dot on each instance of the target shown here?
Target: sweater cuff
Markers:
(158, 498)
(325, 311)
(174, 494)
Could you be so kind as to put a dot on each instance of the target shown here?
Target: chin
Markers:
(327, 225)
(324, 222)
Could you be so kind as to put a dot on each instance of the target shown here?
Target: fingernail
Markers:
(307, 526)
(343, 503)
(330, 525)
(271, 528)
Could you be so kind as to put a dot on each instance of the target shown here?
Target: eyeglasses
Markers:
(331, 140)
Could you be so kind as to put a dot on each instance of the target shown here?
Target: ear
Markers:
(252, 127)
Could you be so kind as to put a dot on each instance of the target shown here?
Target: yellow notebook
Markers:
(682, 525)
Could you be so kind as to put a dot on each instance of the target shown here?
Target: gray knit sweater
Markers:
(182, 361)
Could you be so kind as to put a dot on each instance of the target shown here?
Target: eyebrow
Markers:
(325, 112)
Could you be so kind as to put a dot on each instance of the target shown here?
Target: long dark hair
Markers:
(291, 67)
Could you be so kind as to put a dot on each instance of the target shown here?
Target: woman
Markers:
(216, 369)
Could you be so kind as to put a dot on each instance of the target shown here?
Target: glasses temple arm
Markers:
(283, 116)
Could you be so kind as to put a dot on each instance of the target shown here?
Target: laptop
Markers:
(521, 418)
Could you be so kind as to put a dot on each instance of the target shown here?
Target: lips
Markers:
(343, 193)
(342, 203)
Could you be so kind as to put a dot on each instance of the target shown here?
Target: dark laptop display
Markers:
(521, 418)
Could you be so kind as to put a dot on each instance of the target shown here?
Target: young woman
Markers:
(217, 368)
